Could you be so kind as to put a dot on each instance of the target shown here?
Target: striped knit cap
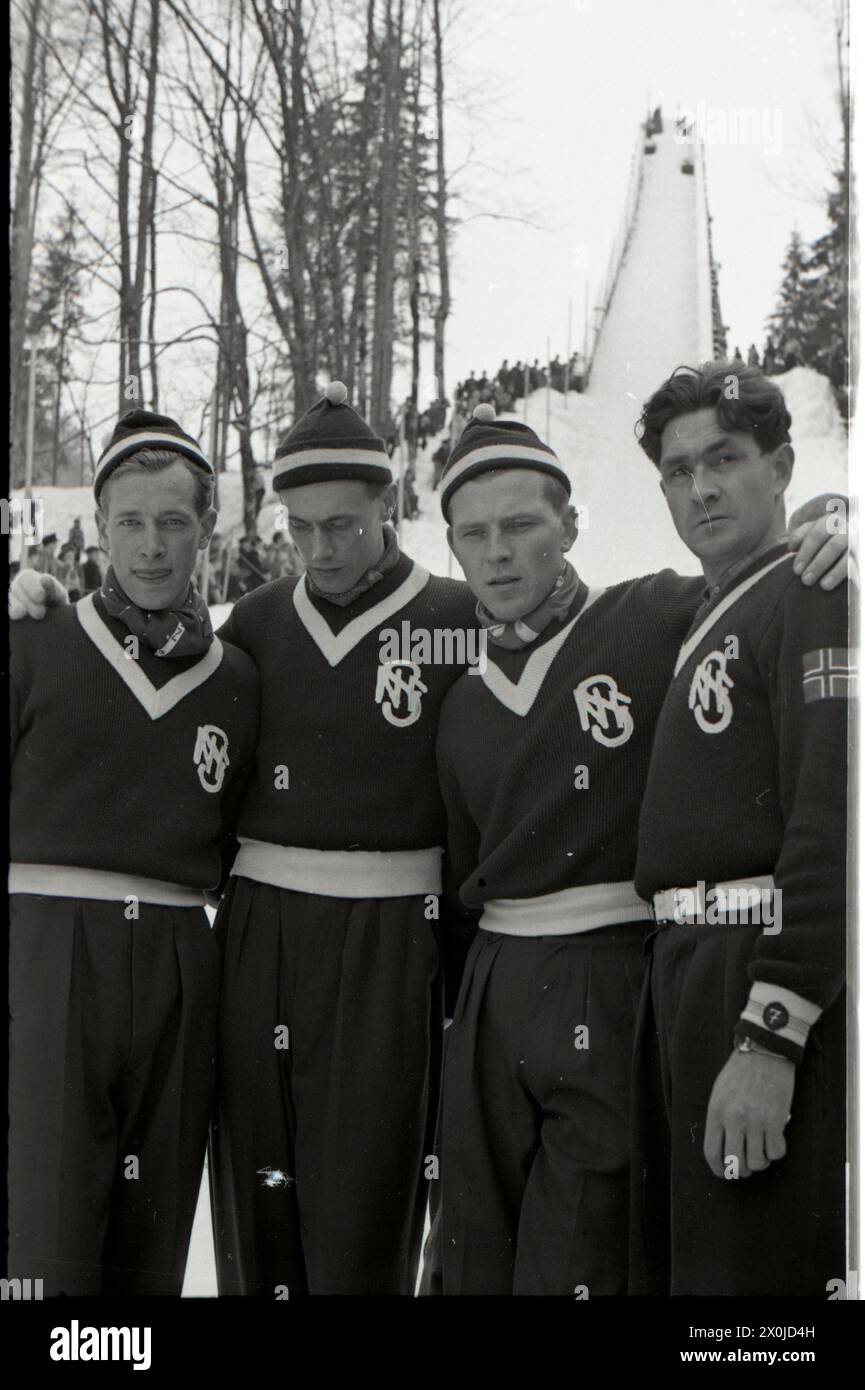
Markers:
(487, 444)
(329, 442)
(141, 429)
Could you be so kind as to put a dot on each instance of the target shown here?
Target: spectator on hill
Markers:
(45, 559)
(91, 570)
(259, 487)
(70, 572)
(437, 413)
(251, 561)
(578, 372)
(518, 381)
(792, 352)
(770, 360)
(281, 558)
(76, 538)
(439, 459)
(410, 503)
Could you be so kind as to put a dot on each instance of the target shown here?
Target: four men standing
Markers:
(330, 926)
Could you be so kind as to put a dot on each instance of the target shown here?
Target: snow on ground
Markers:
(628, 530)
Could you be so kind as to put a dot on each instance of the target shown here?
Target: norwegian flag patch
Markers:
(830, 673)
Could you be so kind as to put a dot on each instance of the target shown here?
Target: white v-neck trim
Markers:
(519, 696)
(155, 702)
(691, 643)
(336, 645)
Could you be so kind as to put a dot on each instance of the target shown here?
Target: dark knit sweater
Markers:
(355, 779)
(518, 826)
(748, 776)
(97, 781)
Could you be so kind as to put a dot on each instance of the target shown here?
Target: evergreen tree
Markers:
(793, 321)
(829, 289)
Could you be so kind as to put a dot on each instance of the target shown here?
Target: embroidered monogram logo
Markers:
(211, 756)
(709, 694)
(398, 689)
(603, 710)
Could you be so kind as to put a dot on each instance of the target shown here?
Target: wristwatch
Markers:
(748, 1045)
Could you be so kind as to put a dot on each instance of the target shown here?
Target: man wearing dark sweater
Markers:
(542, 761)
(740, 1151)
(330, 1018)
(131, 730)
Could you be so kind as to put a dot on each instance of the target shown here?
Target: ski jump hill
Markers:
(656, 308)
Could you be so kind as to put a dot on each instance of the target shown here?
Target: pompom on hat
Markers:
(142, 429)
(487, 444)
(331, 441)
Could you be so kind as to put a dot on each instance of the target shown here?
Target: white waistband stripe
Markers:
(63, 881)
(338, 873)
(567, 913)
(714, 903)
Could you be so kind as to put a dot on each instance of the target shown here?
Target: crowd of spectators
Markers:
(239, 566)
(781, 354)
(79, 568)
(511, 383)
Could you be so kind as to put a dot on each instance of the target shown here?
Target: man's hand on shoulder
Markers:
(748, 1109)
(819, 531)
(32, 594)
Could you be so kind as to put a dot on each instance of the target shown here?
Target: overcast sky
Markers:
(571, 80)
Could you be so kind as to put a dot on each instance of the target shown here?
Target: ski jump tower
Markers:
(658, 304)
(657, 309)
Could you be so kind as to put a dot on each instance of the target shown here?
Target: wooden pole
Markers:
(31, 417)
(400, 484)
(568, 355)
(26, 510)
(549, 373)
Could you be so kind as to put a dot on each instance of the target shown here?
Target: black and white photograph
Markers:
(433, 634)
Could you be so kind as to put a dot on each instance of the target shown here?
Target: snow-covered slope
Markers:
(629, 531)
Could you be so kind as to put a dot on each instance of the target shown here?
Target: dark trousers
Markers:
(779, 1231)
(534, 1122)
(324, 1093)
(112, 1041)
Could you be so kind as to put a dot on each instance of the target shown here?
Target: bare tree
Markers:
(443, 306)
(385, 271)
